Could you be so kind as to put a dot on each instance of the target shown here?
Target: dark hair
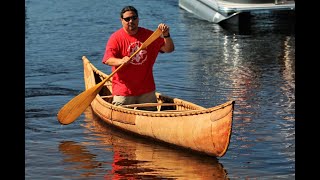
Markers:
(128, 8)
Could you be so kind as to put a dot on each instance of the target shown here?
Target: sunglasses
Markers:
(127, 19)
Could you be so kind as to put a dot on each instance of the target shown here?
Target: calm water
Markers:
(211, 64)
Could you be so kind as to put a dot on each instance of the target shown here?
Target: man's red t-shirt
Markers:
(136, 77)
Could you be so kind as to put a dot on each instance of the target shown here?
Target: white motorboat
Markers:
(217, 11)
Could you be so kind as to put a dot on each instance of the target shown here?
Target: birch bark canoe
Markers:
(176, 121)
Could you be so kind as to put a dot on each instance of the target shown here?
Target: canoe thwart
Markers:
(150, 105)
(106, 97)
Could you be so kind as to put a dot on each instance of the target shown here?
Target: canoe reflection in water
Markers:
(135, 157)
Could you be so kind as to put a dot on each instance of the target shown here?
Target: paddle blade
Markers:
(76, 106)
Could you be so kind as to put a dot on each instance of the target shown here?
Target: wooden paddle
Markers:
(76, 106)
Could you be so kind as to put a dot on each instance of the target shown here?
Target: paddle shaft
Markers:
(76, 106)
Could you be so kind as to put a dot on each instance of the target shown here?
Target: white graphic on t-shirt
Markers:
(140, 57)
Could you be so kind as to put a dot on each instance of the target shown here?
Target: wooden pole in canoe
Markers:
(76, 106)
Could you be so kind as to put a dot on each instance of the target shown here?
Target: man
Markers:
(134, 82)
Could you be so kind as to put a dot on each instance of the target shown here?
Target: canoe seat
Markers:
(159, 105)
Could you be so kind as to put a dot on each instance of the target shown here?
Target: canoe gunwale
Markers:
(163, 113)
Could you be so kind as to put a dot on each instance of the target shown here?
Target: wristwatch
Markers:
(167, 36)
